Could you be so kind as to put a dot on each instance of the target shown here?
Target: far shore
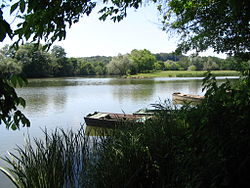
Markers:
(183, 74)
(152, 75)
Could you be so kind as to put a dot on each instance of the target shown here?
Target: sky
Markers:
(141, 29)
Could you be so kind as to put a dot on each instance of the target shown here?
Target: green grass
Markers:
(184, 74)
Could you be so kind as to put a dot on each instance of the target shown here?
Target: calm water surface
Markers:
(63, 102)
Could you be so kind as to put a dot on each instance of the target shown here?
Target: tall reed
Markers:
(61, 159)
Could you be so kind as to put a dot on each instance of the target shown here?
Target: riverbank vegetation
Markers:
(184, 74)
(32, 61)
(195, 146)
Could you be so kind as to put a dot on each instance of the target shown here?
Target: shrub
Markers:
(192, 68)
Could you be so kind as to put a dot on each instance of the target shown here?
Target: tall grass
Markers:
(61, 159)
(144, 156)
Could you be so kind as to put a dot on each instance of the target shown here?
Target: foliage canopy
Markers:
(221, 24)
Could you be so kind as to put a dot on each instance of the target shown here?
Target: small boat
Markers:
(109, 120)
(186, 97)
(98, 131)
(146, 112)
(152, 112)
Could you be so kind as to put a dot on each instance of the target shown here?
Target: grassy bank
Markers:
(184, 74)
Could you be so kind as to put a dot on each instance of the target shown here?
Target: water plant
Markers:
(61, 159)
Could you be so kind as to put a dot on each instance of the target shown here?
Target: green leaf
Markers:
(25, 121)
(1, 14)
(22, 6)
(2, 31)
(14, 127)
(14, 7)
(20, 81)
(13, 80)
(16, 120)
(8, 29)
(10, 176)
(22, 101)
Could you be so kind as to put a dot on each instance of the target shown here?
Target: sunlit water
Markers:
(63, 102)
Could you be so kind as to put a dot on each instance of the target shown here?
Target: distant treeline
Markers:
(33, 61)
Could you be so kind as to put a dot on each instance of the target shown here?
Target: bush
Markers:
(192, 68)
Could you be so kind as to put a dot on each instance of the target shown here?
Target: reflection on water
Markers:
(62, 82)
(131, 81)
(134, 92)
(43, 99)
(97, 131)
(63, 102)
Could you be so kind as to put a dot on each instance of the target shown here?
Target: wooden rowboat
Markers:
(109, 120)
(146, 112)
(186, 97)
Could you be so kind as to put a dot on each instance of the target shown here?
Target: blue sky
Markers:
(141, 29)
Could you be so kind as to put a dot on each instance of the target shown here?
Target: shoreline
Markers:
(182, 74)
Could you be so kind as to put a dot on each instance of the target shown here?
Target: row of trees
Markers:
(33, 61)
(136, 62)
(139, 61)
(193, 63)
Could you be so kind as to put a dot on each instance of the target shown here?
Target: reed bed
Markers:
(61, 159)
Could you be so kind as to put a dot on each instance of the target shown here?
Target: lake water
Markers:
(63, 102)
